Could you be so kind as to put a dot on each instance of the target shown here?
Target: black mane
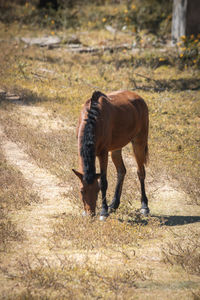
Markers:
(88, 139)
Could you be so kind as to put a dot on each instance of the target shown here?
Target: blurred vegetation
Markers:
(151, 15)
(188, 49)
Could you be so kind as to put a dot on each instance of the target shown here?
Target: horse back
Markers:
(123, 116)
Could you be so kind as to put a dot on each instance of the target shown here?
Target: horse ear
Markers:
(97, 176)
(80, 176)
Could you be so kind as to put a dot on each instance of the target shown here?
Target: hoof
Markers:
(87, 214)
(84, 214)
(113, 207)
(103, 215)
(103, 218)
(145, 211)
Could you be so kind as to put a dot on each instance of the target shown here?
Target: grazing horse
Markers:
(107, 123)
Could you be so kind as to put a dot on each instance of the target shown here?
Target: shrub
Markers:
(188, 51)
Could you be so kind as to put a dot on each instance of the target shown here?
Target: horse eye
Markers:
(82, 191)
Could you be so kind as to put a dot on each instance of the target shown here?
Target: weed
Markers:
(184, 252)
(74, 280)
(8, 233)
(188, 51)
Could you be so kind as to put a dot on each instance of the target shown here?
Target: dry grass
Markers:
(15, 190)
(114, 234)
(72, 280)
(184, 252)
(174, 111)
(15, 193)
(126, 246)
(8, 233)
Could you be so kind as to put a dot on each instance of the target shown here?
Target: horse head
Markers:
(88, 193)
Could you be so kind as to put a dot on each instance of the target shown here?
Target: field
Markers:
(48, 250)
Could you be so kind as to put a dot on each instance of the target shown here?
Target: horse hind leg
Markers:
(140, 150)
(121, 171)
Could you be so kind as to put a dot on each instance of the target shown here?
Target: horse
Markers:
(106, 124)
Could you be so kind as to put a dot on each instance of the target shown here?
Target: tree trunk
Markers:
(178, 19)
(185, 18)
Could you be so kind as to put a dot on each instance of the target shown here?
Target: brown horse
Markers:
(108, 123)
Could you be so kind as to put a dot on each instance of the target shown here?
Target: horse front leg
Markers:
(103, 161)
(121, 172)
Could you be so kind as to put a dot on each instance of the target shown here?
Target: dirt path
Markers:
(36, 220)
(41, 119)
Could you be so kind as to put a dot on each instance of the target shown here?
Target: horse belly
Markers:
(119, 140)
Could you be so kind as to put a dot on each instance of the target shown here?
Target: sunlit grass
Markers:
(64, 81)
(114, 234)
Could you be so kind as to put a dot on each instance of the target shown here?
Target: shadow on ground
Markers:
(177, 220)
(164, 220)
